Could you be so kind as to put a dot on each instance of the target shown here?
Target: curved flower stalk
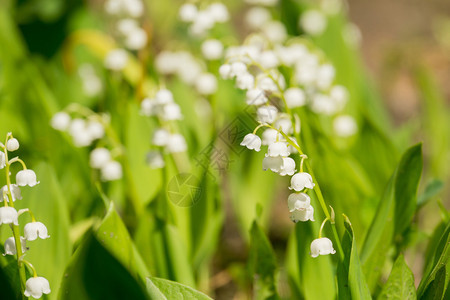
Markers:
(280, 77)
(87, 128)
(16, 245)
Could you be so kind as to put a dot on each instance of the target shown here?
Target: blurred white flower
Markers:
(155, 160)
(116, 59)
(2, 160)
(275, 164)
(99, 157)
(206, 84)
(136, 39)
(112, 170)
(225, 71)
(160, 137)
(170, 112)
(212, 49)
(269, 136)
(256, 97)
(252, 142)
(284, 124)
(26, 177)
(301, 181)
(275, 31)
(149, 107)
(322, 246)
(176, 143)
(8, 215)
(36, 286)
(34, 230)
(325, 76)
(295, 97)
(164, 96)
(219, 12)
(323, 104)
(95, 129)
(257, 16)
(345, 126)
(188, 12)
(313, 22)
(245, 81)
(60, 121)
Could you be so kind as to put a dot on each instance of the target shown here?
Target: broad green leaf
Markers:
(262, 264)
(48, 204)
(351, 281)
(436, 279)
(397, 202)
(94, 273)
(114, 236)
(9, 277)
(400, 284)
(407, 180)
(163, 289)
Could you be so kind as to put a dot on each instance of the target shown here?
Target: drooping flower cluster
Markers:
(85, 129)
(256, 68)
(202, 19)
(16, 245)
(163, 107)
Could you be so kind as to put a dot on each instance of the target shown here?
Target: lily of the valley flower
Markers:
(12, 144)
(36, 286)
(300, 181)
(8, 215)
(99, 157)
(298, 201)
(322, 246)
(15, 192)
(275, 164)
(267, 114)
(2, 160)
(277, 149)
(26, 177)
(34, 230)
(252, 142)
(10, 246)
(288, 167)
(303, 215)
(112, 170)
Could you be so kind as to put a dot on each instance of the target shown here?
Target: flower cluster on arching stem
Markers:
(34, 286)
(260, 67)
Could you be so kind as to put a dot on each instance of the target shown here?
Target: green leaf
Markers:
(9, 277)
(164, 289)
(394, 214)
(407, 180)
(114, 236)
(262, 264)
(432, 189)
(351, 280)
(400, 284)
(435, 281)
(94, 273)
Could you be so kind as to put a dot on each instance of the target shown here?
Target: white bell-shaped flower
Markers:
(303, 215)
(269, 136)
(15, 192)
(116, 59)
(322, 246)
(298, 201)
(176, 143)
(12, 144)
(313, 22)
(36, 286)
(99, 157)
(301, 181)
(257, 16)
(219, 12)
(295, 97)
(245, 81)
(267, 114)
(60, 121)
(2, 160)
(252, 142)
(160, 137)
(284, 124)
(26, 177)
(339, 94)
(238, 68)
(95, 129)
(256, 97)
(225, 71)
(10, 246)
(275, 164)
(212, 49)
(155, 160)
(277, 149)
(288, 167)
(8, 215)
(112, 170)
(136, 39)
(34, 230)
(291, 148)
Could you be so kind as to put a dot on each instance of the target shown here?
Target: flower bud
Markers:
(12, 144)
